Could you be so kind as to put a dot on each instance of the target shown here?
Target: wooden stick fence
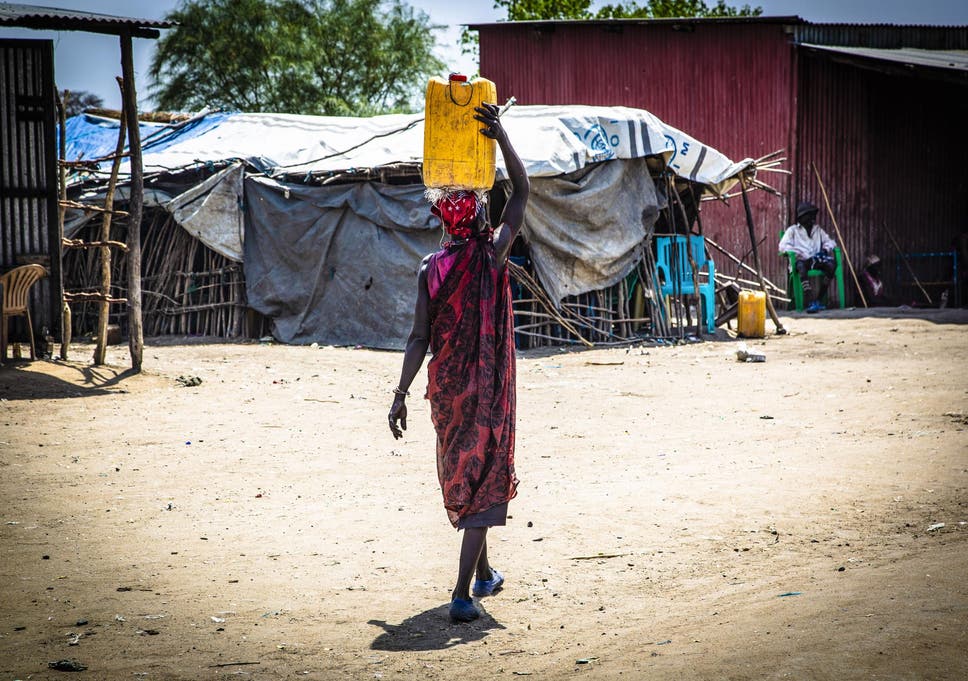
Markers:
(188, 288)
(610, 316)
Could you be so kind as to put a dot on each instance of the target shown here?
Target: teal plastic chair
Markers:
(795, 285)
(673, 277)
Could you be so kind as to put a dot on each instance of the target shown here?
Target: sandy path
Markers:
(674, 495)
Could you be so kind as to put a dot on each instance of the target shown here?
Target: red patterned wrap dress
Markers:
(471, 380)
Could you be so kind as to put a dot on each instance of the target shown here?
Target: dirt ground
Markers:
(681, 515)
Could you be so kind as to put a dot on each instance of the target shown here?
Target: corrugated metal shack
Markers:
(30, 223)
(884, 124)
(28, 171)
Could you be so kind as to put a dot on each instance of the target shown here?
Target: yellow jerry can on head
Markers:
(456, 154)
(751, 322)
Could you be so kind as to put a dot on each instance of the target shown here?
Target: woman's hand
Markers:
(398, 412)
(489, 115)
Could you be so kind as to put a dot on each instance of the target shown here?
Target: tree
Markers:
(656, 9)
(79, 101)
(530, 10)
(524, 10)
(332, 57)
(549, 10)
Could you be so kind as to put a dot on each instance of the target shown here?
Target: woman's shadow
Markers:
(432, 630)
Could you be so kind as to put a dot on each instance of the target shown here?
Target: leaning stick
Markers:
(61, 212)
(840, 238)
(88, 208)
(522, 275)
(692, 260)
(756, 258)
(907, 264)
(77, 243)
(104, 309)
(771, 154)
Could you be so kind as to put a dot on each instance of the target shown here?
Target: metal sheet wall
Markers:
(732, 86)
(28, 179)
(891, 152)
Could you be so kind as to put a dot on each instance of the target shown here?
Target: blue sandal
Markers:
(486, 587)
(463, 610)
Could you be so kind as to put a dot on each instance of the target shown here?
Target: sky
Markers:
(87, 61)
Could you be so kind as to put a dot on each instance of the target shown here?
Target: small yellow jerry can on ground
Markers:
(752, 314)
(456, 154)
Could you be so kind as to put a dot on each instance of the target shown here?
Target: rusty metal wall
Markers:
(891, 152)
(28, 171)
(730, 85)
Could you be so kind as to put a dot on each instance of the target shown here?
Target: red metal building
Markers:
(880, 110)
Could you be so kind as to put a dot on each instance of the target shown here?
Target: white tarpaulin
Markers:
(551, 140)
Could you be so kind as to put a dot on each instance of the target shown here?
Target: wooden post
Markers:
(3, 330)
(104, 308)
(62, 155)
(756, 258)
(687, 228)
(61, 212)
(136, 339)
(840, 237)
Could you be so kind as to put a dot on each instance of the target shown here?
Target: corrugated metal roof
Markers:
(884, 36)
(805, 25)
(793, 19)
(54, 18)
(941, 59)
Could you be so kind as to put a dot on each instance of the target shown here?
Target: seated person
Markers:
(871, 282)
(814, 250)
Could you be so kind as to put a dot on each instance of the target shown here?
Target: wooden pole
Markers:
(840, 238)
(742, 264)
(136, 339)
(61, 212)
(756, 258)
(522, 276)
(907, 264)
(104, 308)
(697, 296)
(62, 153)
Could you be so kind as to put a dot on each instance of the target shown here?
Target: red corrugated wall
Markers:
(891, 152)
(730, 85)
(889, 148)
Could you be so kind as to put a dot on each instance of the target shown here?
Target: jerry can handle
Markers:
(460, 78)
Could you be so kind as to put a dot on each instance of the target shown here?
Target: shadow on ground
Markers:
(43, 379)
(432, 630)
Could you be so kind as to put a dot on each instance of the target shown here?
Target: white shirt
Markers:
(796, 239)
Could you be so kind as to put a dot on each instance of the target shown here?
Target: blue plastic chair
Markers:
(676, 277)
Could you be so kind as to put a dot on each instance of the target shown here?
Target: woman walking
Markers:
(463, 314)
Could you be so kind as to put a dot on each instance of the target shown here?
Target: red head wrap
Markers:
(458, 211)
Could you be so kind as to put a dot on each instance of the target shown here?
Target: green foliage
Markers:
(537, 10)
(658, 9)
(526, 10)
(77, 102)
(331, 57)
